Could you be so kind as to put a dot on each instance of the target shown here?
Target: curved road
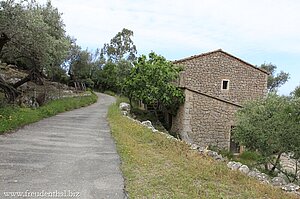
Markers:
(70, 155)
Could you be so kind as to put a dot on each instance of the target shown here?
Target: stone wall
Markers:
(181, 122)
(207, 115)
(204, 120)
(205, 74)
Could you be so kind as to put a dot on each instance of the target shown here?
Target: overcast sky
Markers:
(256, 31)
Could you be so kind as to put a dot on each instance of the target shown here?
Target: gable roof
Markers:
(216, 51)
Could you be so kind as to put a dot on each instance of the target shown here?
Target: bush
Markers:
(271, 127)
(111, 93)
(250, 155)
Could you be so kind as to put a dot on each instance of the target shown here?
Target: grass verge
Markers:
(156, 167)
(13, 117)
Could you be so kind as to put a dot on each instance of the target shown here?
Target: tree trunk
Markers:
(34, 75)
(22, 81)
(296, 171)
(3, 40)
(276, 163)
(10, 92)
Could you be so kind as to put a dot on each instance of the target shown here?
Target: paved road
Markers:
(65, 154)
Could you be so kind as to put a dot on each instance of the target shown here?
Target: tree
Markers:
(296, 92)
(152, 81)
(270, 126)
(82, 66)
(36, 34)
(274, 81)
(120, 47)
(116, 59)
(32, 37)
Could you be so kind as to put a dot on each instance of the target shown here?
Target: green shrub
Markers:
(250, 155)
(111, 93)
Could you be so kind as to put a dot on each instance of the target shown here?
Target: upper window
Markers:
(225, 84)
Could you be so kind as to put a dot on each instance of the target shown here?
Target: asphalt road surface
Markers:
(70, 155)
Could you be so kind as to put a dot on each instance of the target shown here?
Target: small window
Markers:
(225, 84)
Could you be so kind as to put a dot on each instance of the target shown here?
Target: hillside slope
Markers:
(156, 167)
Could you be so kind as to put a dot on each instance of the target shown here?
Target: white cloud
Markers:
(271, 25)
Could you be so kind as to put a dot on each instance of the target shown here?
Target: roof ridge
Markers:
(215, 51)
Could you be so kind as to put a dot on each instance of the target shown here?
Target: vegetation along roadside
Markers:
(156, 167)
(12, 117)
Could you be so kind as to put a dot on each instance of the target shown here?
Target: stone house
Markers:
(216, 84)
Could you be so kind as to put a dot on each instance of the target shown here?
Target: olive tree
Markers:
(32, 37)
(274, 80)
(270, 126)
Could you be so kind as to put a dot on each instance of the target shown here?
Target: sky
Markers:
(257, 31)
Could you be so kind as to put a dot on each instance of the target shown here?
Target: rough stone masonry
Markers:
(216, 85)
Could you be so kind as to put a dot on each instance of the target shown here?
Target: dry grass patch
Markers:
(156, 167)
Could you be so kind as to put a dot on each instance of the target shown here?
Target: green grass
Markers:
(249, 158)
(111, 93)
(13, 117)
(156, 167)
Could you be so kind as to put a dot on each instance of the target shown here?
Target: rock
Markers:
(219, 158)
(212, 154)
(147, 123)
(259, 176)
(14, 80)
(229, 164)
(194, 147)
(68, 91)
(290, 187)
(262, 177)
(3, 67)
(244, 169)
(124, 106)
(35, 105)
(125, 113)
(252, 174)
(154, 130)
(201, 150)
(234, 165)
(278, 181)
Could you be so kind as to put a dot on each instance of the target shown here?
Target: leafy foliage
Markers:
(271, 127)
(152, 81)
(120, 47)
(36, 34)
(275, 81)
(116, 60)
(296, 92)
(32, 37)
